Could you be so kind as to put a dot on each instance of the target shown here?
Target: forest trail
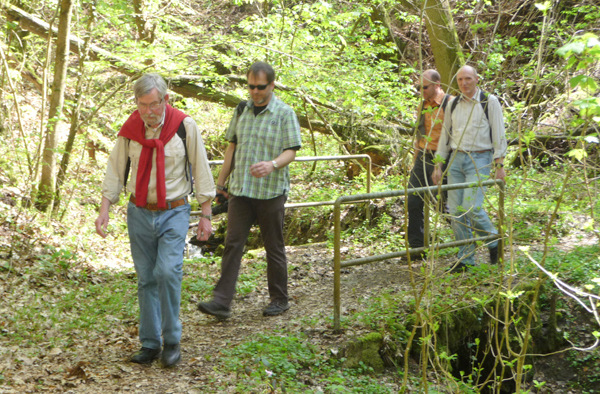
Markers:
(101, 365)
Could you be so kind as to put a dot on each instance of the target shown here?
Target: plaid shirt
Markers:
(262, 138)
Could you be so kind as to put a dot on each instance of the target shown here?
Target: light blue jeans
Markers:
(157, 240)
(466, 205)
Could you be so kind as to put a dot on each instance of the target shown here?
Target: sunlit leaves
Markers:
(544, 7)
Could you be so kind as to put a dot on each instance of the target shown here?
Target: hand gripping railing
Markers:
(338, 264)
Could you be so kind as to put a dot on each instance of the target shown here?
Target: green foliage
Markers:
(577, 267)
(81, 304)
(386, 313)
(286, 362)
(583, 54)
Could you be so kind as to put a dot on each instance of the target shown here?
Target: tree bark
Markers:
(444, 40)
(146, 29)
(46, 188)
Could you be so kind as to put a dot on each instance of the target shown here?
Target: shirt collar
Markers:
(474, 98)
(269, 106)
(437, 100)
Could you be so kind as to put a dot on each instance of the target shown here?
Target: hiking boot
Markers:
(171, 355)
(494, 255)
(145, 355)
(215, 309)
(276, 308)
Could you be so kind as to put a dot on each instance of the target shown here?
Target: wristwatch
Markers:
(275, 165)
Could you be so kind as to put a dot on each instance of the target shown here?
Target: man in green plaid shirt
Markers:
(263, 136)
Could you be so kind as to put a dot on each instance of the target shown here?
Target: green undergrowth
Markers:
(60, 304)
(280, 362)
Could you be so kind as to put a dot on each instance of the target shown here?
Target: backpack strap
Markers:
(239, 110)
(483, 100)
(127, 166)
(445, 101)
(182, 133)
(452, 108)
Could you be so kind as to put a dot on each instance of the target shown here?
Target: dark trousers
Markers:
(241, 215)
(420, 176)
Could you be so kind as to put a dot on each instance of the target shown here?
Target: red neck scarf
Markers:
(134, 129)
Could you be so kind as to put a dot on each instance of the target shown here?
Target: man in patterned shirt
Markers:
(263, 139)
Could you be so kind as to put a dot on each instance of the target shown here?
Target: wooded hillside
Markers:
(349, 69)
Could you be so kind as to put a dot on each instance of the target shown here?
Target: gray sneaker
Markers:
(215, 309)
(276, 308)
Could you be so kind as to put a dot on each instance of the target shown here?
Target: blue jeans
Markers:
(157, 240)
(466, 205)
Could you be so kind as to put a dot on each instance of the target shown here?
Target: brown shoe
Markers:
(276, 308)
(215, 309)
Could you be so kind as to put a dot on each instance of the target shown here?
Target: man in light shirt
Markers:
(473, 141)
(164, 149)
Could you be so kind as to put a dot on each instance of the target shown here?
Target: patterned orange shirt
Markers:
(433, 114)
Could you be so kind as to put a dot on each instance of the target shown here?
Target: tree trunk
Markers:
(444, 40)
(146, 29)
(46, 189)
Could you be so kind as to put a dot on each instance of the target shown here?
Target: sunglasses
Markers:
(424, 87)
(259, 87)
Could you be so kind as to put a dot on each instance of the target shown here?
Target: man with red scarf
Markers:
(158, 210)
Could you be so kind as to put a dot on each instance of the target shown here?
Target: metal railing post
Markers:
(368, 215)
(337, 258)
(501, 224)
(426, 219)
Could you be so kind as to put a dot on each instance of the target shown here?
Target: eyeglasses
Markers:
(152, 106)
(259, 87)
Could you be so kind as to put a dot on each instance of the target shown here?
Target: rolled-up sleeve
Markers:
(499, 142)
(203, 179)
(115, 170)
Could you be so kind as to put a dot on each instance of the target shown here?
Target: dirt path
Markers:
(100, 364)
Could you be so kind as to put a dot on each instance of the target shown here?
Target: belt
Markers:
(474, 151)
(154, 206)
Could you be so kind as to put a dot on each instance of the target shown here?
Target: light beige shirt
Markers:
(177, 184)
(470, 127)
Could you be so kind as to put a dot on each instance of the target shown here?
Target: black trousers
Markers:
(420, 176)
(242, 213)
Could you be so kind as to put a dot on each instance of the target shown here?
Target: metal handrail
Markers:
(317, 158)
(337, 263)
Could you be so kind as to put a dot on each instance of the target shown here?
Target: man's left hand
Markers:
(204, 229)
(261, 169)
